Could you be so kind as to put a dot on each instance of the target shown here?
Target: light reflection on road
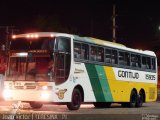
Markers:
(6, 107)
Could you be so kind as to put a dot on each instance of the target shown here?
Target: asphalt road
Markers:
(9, 110)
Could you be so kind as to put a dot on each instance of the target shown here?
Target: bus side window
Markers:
(77, 50)
(127, 59)
(107, 55)
(100, 55)
(143, 62)
(136, 61)
(85, 52)
(148, 63)
(93, 53)
(114, 57)
(121, 58)
(138, 64)
(153, 66)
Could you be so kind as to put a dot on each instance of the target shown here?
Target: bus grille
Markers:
(19, 87)
(30, 87)
(25, 87)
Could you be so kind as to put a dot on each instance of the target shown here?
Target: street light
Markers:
(159, 27)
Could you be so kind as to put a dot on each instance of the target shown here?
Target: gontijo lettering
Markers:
(126, 74)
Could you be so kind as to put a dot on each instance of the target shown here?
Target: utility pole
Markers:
(114, 23)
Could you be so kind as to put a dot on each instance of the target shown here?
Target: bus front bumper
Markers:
(30, 95)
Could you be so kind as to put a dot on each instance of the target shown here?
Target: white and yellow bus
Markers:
(84, 70)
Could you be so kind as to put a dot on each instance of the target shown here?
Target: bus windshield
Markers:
(31, 60)
(41, 59)
(29, 68)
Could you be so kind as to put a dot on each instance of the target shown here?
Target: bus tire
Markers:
(133, 99)
(76, 100)
(140, 99)
(36, 105)
(102, 104)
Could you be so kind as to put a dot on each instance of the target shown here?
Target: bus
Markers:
(61, 68)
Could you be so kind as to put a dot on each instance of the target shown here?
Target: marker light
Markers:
(32, 35)
(36, 36)
(52, 35)
(22, 54)
(13, 36)
(28, 36)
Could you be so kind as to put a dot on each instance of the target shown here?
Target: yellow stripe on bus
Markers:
(121, 90)
(103, 42)
(115, 86)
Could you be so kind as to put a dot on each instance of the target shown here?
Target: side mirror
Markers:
(51, 54)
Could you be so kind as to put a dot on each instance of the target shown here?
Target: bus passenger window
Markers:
(85, 52)
(93, 53)
(127, 59)
(138, 64)
(100, 55)
(108, 56)
(148, 63)
(144, 65)
(77, 50)
(135, 60)
(121, 58)
(153, 66)
(114, 57)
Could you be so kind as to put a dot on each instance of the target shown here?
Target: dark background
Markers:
(137, 21)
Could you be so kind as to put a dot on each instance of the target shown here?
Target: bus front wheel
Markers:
(36, 105)
(76, 100)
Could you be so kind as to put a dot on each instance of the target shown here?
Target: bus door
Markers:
(62, 60)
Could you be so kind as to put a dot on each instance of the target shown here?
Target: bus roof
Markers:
(40, 34)
(113, 45)
(84, 39)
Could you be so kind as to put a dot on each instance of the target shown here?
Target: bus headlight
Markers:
(7, 93)
(44, 87)
(44, 95)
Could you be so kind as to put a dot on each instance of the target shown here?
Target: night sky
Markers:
(137, 22)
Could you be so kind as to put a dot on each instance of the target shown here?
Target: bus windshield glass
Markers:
(31, 60)
(29, 68)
